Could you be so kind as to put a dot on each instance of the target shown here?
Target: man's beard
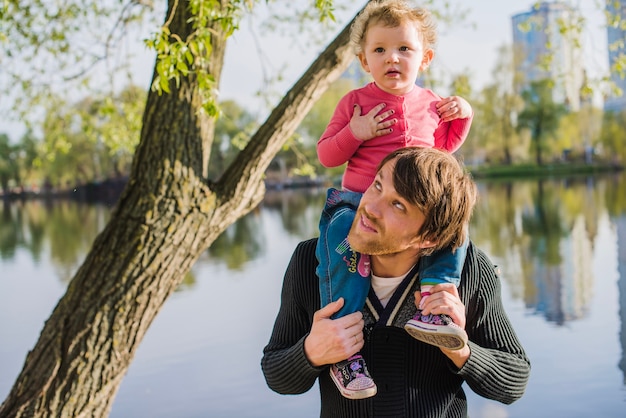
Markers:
(377, 244)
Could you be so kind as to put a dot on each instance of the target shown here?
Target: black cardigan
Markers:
(414, 379)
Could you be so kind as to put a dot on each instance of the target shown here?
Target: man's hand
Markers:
(454, 107)
(372, 124)
(444, 299)
(333, 340)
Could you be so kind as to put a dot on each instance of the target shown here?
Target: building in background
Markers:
(616, 37)
(542, 50)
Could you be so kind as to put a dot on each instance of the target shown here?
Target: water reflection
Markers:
(621, 285)
(561, 245)
(544, 234)
(66, 227)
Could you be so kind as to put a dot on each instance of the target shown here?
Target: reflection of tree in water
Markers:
(11, 233)
(71, 228)
(621, 286)
(616, 205)
(243, 241)
(541, 233)
(300, 209)
(22, 225)
(188, 283)
(65, 227)
(496, 228)
(240, 243)
(561, 227)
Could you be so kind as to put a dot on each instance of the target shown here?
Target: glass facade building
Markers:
(616, 37)
(542, 50)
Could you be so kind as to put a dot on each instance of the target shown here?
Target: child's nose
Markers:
(392, 57)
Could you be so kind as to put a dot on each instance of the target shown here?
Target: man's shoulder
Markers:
(479, 265)
(304, 254)
(307, 246)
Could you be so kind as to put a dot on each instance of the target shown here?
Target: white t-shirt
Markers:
(385, 286)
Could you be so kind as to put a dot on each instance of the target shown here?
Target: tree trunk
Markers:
(538, 132)
(168, 214)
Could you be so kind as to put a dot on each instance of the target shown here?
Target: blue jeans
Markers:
(345, 273)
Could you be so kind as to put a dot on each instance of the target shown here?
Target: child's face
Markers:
(394, 56)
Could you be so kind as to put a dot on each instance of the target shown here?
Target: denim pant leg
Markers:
(342, 272)
(443, 266)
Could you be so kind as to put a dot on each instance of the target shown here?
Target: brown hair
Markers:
(439, 186)
(392, 13)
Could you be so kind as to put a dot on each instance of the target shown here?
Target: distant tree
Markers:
(28, 159)
(612, 139)
(540, 115)
(91, 139)
(578, 133)
(233, 131)
(8, 163)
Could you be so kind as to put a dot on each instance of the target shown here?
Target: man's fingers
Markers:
(328, 310)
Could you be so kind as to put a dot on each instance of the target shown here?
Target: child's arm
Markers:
(348, 129)
(454, 107)
(456, 117)
(337, 144)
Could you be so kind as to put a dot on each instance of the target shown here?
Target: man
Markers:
(420, 201)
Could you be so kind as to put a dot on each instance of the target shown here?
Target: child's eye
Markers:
(379, 50)
(404, 48)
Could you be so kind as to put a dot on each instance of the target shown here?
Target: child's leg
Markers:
(342, 271)
(443, 266)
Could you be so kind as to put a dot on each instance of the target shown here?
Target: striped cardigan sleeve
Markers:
(498, 367)
(284, 364)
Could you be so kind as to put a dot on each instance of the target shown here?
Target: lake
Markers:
(561, 246)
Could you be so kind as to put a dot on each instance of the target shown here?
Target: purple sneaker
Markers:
(352, 378)
(438, 330)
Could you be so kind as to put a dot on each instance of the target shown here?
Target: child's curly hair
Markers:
(392, 13)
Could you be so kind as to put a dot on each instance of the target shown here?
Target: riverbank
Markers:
(548, 170)
(109, 190)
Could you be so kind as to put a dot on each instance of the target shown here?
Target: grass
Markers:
(547, 170)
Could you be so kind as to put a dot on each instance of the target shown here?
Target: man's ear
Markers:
(423, 243)
(429, 54)
(428, 244)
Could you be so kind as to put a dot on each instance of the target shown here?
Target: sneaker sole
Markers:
(435, 336)
(353, 394)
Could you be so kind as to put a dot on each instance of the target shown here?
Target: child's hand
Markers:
(443, 299)
(372, 124)
(454, 107)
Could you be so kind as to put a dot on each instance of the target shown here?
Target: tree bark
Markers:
(168, 214)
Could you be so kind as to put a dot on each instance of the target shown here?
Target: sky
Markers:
(460, 48)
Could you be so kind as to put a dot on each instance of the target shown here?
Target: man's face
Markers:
(385, 222)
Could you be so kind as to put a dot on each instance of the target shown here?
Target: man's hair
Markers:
(392, 13)
(440, 187)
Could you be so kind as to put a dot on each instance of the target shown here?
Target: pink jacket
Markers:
(418, 125)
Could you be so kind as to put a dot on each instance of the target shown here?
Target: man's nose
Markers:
(371, 207)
